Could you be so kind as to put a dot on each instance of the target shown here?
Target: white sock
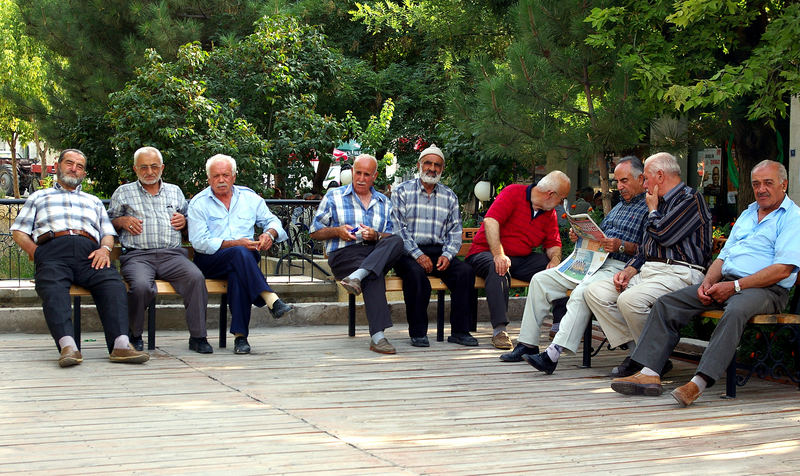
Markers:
(649, 372)
(700, 382)
(553, 351)
(122, 342)
(269, 298)
(498, 329)
(376, 337)
(67, 341)
(359, 274)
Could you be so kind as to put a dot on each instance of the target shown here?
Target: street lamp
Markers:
(346, 175)
(483, 190)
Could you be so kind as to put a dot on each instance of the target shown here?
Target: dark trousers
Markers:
(674, 310)
(239, 266)
(523, 268)
(377, 259)
(459, 278)
(141, 268)
(64, 261)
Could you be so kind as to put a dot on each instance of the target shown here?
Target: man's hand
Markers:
(554, 261)
(246, 242)
(702, 293)
(100, 258)
(721, 291)
(572, 236)
(622, 278)
(651, 198)
(343, 232)
(502, 263)
(264, 241)
(132, 224)
(367, 233)
(178, 221)
(611, 245)
(442, 263)
(425, 262)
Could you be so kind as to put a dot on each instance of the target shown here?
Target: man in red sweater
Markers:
(520, 219)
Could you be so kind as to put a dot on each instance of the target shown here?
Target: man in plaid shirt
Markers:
(150, 217)
(68, 235)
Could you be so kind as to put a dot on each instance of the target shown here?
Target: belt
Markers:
(675, 261)
(44, 238)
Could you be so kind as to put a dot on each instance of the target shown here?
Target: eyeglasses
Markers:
(145, 168)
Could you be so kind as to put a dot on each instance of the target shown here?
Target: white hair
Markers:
(551, 181)
(220, 158)
(664, 162)
(148, 149)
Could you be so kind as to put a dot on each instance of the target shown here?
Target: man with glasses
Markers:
(150, 217)
(520, 219)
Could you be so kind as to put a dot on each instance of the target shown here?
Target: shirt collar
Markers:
(142, 189)
(59, 187)
(528, 192)
(421, 188)
(374, 195)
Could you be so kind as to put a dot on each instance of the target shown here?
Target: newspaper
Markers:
(588, 255)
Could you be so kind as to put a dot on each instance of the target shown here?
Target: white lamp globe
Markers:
(346, 177)
(483, 190)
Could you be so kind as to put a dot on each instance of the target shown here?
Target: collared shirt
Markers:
(341, 206)
(754, 245)
(626, 221)
(521, 227)
(427, 219)
(211, 223)
(58, 209)
(155, 211)
(679, 229)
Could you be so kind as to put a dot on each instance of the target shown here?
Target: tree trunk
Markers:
(14, 166)
(41, 152)
(754, 142)
(602, 167)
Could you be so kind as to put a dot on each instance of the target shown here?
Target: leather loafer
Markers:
(541, 362)
(627, 368)
(520, 350)
(382, 347)
(352, 286)
(200, 345)
(638, 384)
(686, 395)
(463, 339)
(70, 356)
(128, 356)
(502, 341)
(420, 341)
(279, 308)
(240, 345)
(137, 342)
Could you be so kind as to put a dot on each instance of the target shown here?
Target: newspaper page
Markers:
(588, 255)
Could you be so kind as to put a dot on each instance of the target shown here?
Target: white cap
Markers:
(431, 150)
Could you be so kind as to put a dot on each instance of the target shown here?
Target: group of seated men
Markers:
(657, 277)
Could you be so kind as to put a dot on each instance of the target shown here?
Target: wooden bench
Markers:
(163, 288)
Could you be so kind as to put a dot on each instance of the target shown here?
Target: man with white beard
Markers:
(427, 217)
(150, 217)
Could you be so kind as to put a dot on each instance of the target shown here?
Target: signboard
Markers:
(710, 171)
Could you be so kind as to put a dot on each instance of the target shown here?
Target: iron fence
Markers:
(297, 256)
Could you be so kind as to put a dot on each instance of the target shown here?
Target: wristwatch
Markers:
(621, 247)
(736, 287)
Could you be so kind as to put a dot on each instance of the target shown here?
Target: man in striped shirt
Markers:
(355, 221)
(68, 235)
(428, 219)
(675, 252)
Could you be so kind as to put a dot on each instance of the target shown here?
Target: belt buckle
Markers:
(72, 232)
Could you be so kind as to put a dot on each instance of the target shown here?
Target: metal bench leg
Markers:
(151, 325)
(587, 345)
(223, 320)
(351, 315)
(440, 316)
(730, 379)
(76, 320)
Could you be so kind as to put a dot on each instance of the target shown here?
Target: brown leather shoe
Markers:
(128, 356)
(638, 384)
(502, 341)
(686, 394)
(70, 356)
(382, 347)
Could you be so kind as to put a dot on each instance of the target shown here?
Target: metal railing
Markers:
(297, 256)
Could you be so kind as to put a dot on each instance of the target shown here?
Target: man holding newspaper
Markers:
(620, 236)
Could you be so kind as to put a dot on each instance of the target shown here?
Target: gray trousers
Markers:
(377, 259)
(141, 267)
(674, 310)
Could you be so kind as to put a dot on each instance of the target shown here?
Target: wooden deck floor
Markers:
(310, 400)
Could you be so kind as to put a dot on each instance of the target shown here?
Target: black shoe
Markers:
(240, 345)
(667, 367)
(541, 362)
(420, 341)
(137, 342)
(520, 350)
(279, 308)
(463, 339)
(200, 345)
(627, 368)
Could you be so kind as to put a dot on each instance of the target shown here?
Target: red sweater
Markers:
(519, 233)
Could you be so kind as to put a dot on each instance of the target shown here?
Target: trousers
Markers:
(141, 268)
(64, 261)
(239, 266)
(459, 278)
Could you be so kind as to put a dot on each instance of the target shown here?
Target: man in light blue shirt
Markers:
(752, 275)
(221, 227)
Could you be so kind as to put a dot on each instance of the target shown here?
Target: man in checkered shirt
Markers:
(150, 217)
(68, 235)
